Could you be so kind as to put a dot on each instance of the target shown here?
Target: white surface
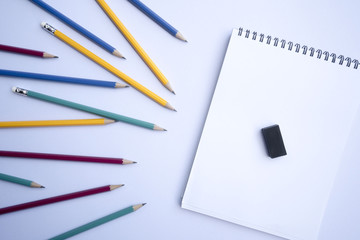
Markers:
(314, 102)
(164, 158)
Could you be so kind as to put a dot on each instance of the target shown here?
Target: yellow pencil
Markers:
(106, 65)
(48, 123)
(135, 44)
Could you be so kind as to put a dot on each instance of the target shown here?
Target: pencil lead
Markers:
(174, 92)
(42, 187)
(165, 130)
(134, 162)
(56, 57)
(144, 204)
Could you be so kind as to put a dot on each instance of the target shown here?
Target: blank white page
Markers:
(314, 102)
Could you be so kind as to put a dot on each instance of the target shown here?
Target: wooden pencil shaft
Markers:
(56, 78)
(22, 50)
(74, 25)
(105, 65)
(54, 199)
(141, 52)
(61, 157)
(96, 223)
(53, 123)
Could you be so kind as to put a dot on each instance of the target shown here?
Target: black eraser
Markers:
(273, 141)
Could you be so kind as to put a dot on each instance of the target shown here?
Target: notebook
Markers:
(313, 96)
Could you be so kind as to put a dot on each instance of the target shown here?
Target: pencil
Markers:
(53, 123)
(26, 51)
(135, 44)
(78, 28)
(63, 157)
(98, 222)
(55, 78)
(110, 115)
(156, 18)
(106, 65)
(20, 181)
(58, 198)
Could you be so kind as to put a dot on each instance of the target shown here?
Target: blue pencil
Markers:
(55, 78)
(151, 14)
(77, 27)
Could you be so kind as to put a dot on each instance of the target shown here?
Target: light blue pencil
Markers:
(97, 222)
(18, 180)
(77, 27)
(156, 18)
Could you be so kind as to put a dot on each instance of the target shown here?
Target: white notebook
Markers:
(313, 95)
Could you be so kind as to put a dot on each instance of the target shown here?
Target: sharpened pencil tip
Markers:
(124, 58)
(56, 57)
(144, 204)
(42, 187)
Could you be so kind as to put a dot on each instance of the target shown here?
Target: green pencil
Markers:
(98, 222)
(21, 181)
(110, 115)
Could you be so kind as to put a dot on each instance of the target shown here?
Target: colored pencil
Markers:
(110, 115)
(156, 18)
(58, 198)
(77, 27)
(53, 123)
(63, 79)
(98, 222)
(26, 51)
(106, 65)
(135, 44)
(63, 157)
(20, 181)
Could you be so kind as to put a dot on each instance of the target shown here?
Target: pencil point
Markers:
(118, 54)
(174, 92)
(180, 36)
(156, 127)
(144, 204)
(125, 161)
(112, 187)
(120, 85)
(169, 106)
(56, 57)
(42, 187)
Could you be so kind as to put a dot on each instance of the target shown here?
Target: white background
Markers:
(164, 158)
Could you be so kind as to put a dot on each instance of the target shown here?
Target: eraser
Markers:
(273, 141)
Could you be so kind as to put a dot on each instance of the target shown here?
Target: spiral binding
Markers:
(318, 53)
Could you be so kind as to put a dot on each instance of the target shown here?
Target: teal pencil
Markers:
(98, 222)
(110, 115)
(21, 181)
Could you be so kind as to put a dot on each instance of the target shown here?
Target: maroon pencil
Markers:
(26, 51)
(58, 198)
(65, 157)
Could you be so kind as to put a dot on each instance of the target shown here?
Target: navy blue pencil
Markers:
(55, 78)
(77, 27)
(151, 14)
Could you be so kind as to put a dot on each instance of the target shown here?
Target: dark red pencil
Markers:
(26, 51)
(58, 198)
(65, 157)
